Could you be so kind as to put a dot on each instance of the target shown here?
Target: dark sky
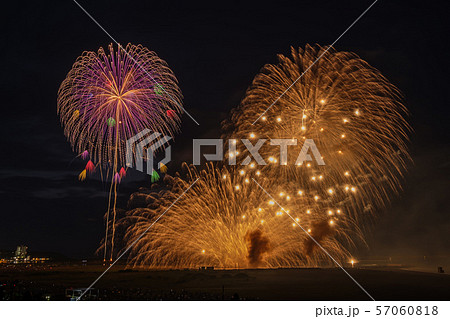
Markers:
(215, 50)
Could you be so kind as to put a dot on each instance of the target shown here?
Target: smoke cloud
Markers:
(257, 246)
(320, 230)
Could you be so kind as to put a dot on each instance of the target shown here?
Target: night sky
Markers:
(215, 51)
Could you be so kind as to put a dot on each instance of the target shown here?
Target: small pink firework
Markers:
(117, 178)
(122, 173)
(90, 167)
(85, 155)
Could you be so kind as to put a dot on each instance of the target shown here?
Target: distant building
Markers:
(20, 256)
(21, 252)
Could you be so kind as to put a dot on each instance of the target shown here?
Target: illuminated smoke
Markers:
(257, 245)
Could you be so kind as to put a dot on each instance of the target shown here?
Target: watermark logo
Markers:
(308, 147)
(151, 143)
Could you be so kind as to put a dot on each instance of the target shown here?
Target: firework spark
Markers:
(109, 97)
(357, 120)
(223, 221)
(353, 114)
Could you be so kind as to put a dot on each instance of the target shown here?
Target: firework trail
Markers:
(353, 114)
(223, 221)
(107, 98)
(356, 119)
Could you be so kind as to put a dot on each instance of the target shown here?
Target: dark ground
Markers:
(250, 284)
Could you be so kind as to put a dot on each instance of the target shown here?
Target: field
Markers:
(248, 284)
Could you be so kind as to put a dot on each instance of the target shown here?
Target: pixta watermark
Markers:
(144, 146)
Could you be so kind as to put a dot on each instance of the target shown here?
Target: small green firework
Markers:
(111, 122)
(158, 89)
(154, 177)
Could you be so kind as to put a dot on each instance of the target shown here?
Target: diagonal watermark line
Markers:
(134, 242)
(109, 35)
(320, 56)
(312, 238)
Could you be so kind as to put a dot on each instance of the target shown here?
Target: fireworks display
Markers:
(109, 97)
(352, 113)
(356, 119)
(224, 221)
